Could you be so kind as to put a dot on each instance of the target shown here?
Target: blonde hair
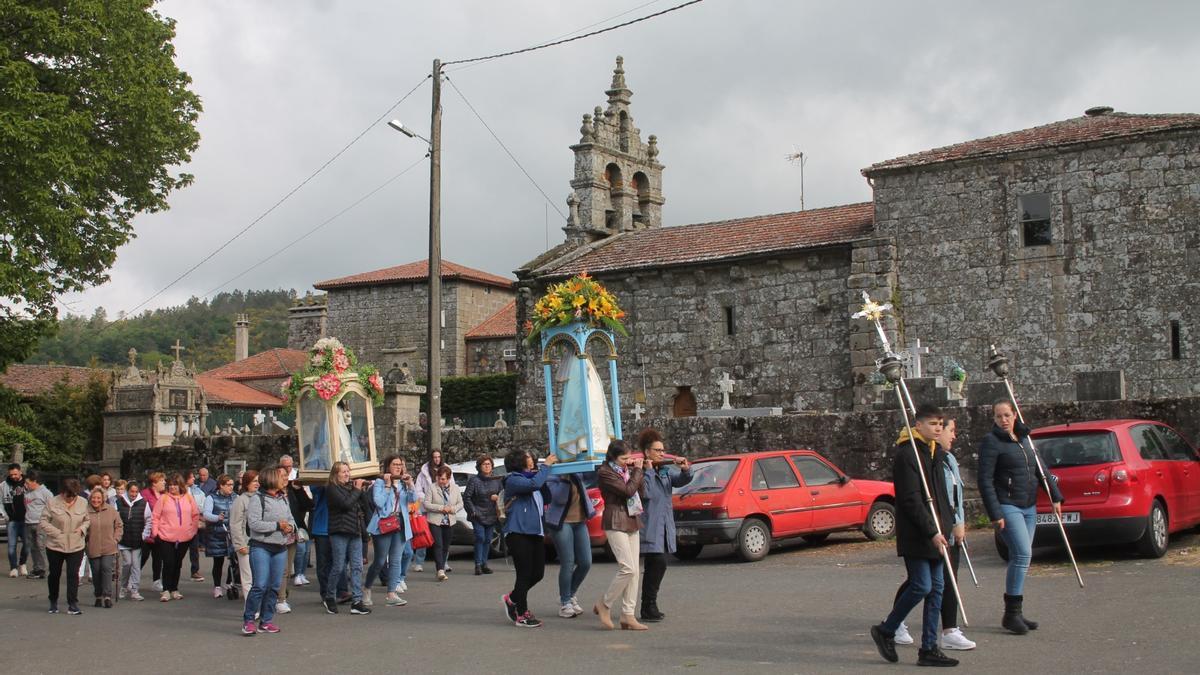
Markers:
(333, 472)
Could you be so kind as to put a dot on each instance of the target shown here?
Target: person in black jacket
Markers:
(919, 538)
(347, 504)
(1009, 477)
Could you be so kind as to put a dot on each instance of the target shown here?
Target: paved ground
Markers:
(803, 609)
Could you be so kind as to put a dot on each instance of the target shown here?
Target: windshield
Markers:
(709, 476)
(1079, 449)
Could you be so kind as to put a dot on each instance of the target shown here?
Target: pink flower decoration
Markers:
(340, 361)
(376, 382)
(328, 386)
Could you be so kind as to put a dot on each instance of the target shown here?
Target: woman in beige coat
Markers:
(65, 524)
(442, 501)
(104, 533)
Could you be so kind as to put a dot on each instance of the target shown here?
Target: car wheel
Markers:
(754, 540)
(881, 521)
(497, 548)
(688, 551)
(815, 539)
(1001, 546)
(1154, 541)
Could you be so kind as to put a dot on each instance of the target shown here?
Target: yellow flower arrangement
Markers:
(579, 298)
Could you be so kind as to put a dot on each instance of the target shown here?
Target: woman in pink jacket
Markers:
(176, 518)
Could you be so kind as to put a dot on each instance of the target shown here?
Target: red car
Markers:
(1123, 481)
(749, 500)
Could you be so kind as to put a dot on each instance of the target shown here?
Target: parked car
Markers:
(754, 499)
(1123, 481)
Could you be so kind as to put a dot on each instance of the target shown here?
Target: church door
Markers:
(685, 403)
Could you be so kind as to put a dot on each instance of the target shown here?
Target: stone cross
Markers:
(914, 358)
(638, 411)
(726, 385)
(177, 348)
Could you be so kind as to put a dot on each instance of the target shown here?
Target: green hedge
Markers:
(34, 450)
(477, 392)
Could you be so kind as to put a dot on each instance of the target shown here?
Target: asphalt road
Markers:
(804, 609)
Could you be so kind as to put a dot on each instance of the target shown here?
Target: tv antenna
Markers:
(797, 157)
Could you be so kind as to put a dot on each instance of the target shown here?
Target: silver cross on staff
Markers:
(873, 311)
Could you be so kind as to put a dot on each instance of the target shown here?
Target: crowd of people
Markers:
(257, 530)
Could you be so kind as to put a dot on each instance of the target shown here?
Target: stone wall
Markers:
(485, 356)
(473, 305)
(788, 348)
(1123, 265)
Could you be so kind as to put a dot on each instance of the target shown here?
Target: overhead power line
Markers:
(279, 203)
(504, 147)
(573, 39)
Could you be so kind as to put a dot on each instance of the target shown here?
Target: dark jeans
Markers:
(102, 575)
(325, 564)
(949, 600)
(441, 544)
(924, 583)
(172, 554)
(483, 542)
(656, 568)
(194, 553)
(16, 536)
(217, 570)
(529, 558)
(72, 561)
(150, 552)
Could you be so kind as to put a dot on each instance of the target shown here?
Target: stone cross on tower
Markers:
(177, 348)
(726, 384)
(638, 411)
(913, 356)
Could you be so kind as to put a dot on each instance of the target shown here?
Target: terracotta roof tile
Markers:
(502, 324)
(263, 365)
(704, 242)
(231, 393)
(32, 380)
(414, 271)
(1073, 131)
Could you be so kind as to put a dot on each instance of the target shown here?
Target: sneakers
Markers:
(267, 627)
(402, 588)
(196, 576)
(108, 603)
(283, 608)
(53, 608)
(478, 570)
(37, 574)
(359, 608)
(367, 601)
(449, 569)
(248, 628)
(935, 657)
(394, 600)
(885, 644)
(22, 570)
(300, 580)
(486, 569)
(12, 574)
(510, 608)
(158, 586)
(902, 635)
(417, 568)
(441, 575)
(165, 597)
(954, 639)
(218, 591)
(330, 605)
(567, 611)
(344, 598)
(527, 620)
(176, 595)
(122, 594)
(576, 606)
(136, 596)
(74, 610)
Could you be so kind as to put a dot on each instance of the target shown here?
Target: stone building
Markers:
(1073, 246)
(151, 409)
(491, 347)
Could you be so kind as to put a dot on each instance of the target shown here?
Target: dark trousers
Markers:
(172, 554)
(325, 563)
(102, 574)
(72, 561)
(529, 558)
(441, 544)
(150, 552)
(217, 570)
(949, 599)
(924, 584)
(194, 552)
(656, 568)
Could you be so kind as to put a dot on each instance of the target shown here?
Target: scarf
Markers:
(633, 504)
(446, 501)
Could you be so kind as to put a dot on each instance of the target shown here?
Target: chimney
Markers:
(241, 338)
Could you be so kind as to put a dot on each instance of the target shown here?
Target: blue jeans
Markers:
(574, 548)
(406, 559)
(389, 547)
(924, 583)
(16, 535)
(301, 561)
(342, 545)
(483, 542)
(267, 570)
(1019, 524)
(419, 556)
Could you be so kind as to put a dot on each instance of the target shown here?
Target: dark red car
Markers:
(753, 499)
(1123, 481)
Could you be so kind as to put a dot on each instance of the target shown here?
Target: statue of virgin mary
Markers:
(583, 391)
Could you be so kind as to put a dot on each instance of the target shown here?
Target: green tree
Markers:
(94, 114)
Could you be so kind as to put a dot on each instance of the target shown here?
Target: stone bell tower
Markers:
(618, 180)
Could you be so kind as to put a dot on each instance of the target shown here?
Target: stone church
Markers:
(1073, 246)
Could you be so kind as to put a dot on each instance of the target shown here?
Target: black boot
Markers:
(935, 657)
(478, 570)
(650, 612)
(1012, 615)
(1031, 625)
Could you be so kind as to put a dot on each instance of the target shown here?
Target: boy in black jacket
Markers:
(918, 537)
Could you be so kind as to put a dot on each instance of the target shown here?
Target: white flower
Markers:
(329, 343)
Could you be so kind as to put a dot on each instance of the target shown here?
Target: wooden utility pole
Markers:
(435, 263)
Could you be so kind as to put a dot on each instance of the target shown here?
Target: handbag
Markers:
(390, 524)
(422, 536)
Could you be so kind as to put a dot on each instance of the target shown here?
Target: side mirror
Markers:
(843, 479)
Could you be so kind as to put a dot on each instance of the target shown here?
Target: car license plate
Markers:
(1068, 518)
(685, 531)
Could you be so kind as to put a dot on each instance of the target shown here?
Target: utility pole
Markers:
(435, 263)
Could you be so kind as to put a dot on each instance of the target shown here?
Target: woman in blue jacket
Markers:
(658, 522)
(216, 513)
(391, 494)
(523, 531)
(567, 515)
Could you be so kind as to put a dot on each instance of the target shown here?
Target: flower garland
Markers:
(327, 361)
(580, 298)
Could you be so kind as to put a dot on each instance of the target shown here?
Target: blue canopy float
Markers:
(587, 423)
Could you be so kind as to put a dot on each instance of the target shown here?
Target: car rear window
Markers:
(1078, 449)
(709, 476)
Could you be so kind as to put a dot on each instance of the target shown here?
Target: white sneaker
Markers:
(403, 587)
(122, 594)
(12, 574)
(302, 580)
(24, 571)
(136, 596)
(954, 639)
(418, 568)
(576, 606)
(367, 598)
(158, 586)
(902, 636)
(217, 592)
(567, 611)
(282, 608)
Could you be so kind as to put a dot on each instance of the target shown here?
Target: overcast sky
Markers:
(730, 88)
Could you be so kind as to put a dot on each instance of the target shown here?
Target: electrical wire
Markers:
(503, 146)
(573, 39)
(327, 221)
(279, 203)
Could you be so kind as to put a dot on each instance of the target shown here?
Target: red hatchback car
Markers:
(752, 499)
(1123, 481)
